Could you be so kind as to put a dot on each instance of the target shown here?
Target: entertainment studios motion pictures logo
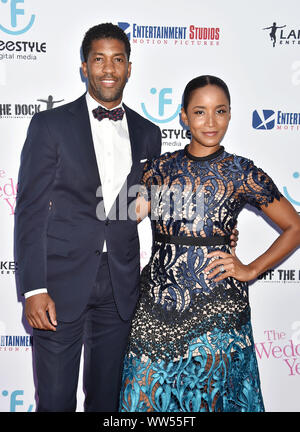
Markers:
(175, 35)
(282, 35)
(269, 119)
(16, 20)
(265, 119)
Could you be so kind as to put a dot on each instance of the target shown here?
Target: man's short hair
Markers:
(104, 31)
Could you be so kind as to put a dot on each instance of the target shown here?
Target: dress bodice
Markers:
(194, 196)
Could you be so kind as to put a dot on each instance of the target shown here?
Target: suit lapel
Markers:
(84, 146)
(83, 139)
(136, 142)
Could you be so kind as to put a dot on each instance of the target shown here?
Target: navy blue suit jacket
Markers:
(58, 237)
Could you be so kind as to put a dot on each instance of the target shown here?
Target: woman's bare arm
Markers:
(283, 214)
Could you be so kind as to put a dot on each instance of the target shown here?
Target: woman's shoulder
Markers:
(166, 157)
(238, 161)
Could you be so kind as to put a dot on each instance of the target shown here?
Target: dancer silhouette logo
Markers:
(273, 32)
(282, 35)
(263, 119)
(50, 102)
(16, 25)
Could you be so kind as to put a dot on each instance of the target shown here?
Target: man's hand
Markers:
(36, 308)
(234, 237)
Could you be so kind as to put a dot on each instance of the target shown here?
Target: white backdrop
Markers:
(40, 64)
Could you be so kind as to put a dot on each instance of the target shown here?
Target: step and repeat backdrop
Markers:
(255, 47)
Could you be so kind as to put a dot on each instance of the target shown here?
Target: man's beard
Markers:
(108, 95)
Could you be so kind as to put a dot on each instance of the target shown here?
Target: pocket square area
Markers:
(143, 160)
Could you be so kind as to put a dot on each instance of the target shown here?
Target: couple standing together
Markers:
(177, 337)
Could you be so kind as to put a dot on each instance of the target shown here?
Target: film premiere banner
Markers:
(255, 47)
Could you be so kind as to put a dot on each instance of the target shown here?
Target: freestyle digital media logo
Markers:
(16, 11)
(162, 101)
(15, 400)
(283, 37)
(165, 111)
(176, 35)
(296, 176)
(16, 21)
(265, 119)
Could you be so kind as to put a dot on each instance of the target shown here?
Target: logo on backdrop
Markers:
(278, 345)
(21, 110)
(8, 267)
(16, 24)
(125, 26)
(165, 111)
(263, 119)
(296, 176)
(16, 20)
(175, 35)
(15, 401)
(279, 275)
(266, 119)
(15, 342)
(50, 102)
(8, 192)
(281, 35)
(163, 100)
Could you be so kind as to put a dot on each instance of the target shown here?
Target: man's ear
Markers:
(129, 70)
(84, 69)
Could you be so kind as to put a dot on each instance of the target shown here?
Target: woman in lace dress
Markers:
(191, 345)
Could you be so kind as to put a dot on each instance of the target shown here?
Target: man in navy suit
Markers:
(78, 255)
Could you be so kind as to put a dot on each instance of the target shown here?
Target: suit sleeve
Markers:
(35, 183)
(157, 143)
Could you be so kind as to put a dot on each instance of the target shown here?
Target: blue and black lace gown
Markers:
(191, 346)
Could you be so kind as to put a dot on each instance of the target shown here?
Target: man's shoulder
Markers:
(60, 111)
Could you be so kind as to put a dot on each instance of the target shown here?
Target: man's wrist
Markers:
(34, 292)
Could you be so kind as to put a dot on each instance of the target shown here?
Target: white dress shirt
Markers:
(114, 159)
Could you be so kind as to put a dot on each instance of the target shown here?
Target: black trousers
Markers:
(104, 336)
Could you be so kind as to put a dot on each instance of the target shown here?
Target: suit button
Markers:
(97, 252)
(107, 222)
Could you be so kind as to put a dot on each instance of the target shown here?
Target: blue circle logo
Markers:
(15, 12)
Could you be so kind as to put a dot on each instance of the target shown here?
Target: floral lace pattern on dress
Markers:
(191, 346)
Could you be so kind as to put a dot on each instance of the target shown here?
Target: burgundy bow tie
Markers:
(100, 113)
